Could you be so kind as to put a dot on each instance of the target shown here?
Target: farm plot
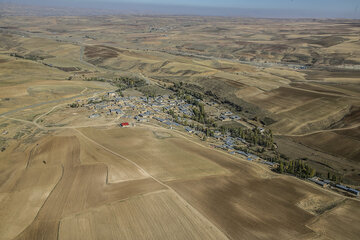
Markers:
(154, 216)
(162, 158)
(328, 141)
(21, 197)
(340, 223)
(81, 187)
(119, 169)
(247, 207)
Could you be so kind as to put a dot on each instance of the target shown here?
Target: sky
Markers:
(252, 8)
(285, 4)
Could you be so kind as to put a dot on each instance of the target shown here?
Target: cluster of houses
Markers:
(227, 116)
(140, 109)
(167, 121)
(326, 183)
(229, 143)
(348, 189)
(137, 108)
(143, 108)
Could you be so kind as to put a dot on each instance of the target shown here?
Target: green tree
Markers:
(312, 173)
(281, 168)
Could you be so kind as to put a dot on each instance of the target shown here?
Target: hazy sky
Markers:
(257, 8)
(285, 4)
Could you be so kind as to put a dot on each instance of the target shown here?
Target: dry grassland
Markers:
(15, 71)
(250, 209)
(13, 97)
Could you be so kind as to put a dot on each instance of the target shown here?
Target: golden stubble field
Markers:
(154, 183)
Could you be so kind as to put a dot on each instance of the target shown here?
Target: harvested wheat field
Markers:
(242, 202)
(155, 216)
(336, 224)
(151, 183)
(163, 158)
(74, 188)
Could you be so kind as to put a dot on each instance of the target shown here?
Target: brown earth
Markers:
(350, 119)
(329, 142)
(81, 186)
(100, 52)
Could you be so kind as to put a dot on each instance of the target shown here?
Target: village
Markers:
(173, 112)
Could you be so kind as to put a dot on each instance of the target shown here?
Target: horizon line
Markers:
(145, 9)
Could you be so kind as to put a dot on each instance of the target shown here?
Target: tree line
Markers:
(128, 82)
(296, 167)
(253, 136)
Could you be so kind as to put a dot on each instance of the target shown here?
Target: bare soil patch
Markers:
(329, 142)
(245, 206)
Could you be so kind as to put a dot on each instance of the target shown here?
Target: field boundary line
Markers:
(37, 214)
(188, 205)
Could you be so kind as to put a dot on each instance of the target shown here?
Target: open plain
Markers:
(71, 172)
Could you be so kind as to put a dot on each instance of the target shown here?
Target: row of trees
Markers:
(128, 82)
(28, 56)
(121, 82)
(200, 114)
(296, 167)
(334, 177)
(181, 90)
(198, 127)
(253, 136)
(198, 110)
(95, 79)
(263, 139)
